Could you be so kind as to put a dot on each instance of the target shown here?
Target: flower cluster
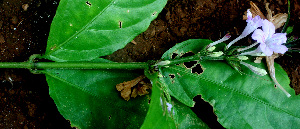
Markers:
(267, 40)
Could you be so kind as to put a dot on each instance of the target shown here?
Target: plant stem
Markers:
(90, 65)
(196, 57)
(74, 65)
(96, 65)
(15, 65)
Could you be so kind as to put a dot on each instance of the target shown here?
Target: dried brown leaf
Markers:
(133, 88)
(278, 20)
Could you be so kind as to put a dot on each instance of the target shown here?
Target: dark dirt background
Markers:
(24, 97)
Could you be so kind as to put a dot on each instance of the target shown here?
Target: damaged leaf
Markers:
(169, 115)
(189, 46)
(252, 100)
(278, 20)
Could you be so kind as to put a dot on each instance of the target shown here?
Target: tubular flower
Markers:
(252, 24)
(226, 37)
(269, 40)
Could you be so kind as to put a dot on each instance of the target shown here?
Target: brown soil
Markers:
(24, 97)
(25, 100)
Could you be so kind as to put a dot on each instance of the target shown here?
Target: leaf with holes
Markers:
(84, 30)
(169, 115)
(191, 45)
(239, 101)
(89, 99)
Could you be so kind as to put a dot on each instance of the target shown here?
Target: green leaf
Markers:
(84, 30)
(239, 101)
(169, 115)
(191, 45)
(89, 99)
(156, 116)
(289, 30)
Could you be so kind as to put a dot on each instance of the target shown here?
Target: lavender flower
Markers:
(252, 24)
(269, 40)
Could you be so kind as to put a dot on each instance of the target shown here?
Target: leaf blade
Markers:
(81, 32)
(163, 114)
(89, 99)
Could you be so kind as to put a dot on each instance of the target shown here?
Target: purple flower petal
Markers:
(279, 49)
(265, 49)
(268, 28)
(258, 35)
(249, 15)
(269, 40)
(252, 24)
(278, 38)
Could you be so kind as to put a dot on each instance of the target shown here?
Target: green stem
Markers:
(73, 65)
(95, 65)
(90, 65)
(15, 65)
(196, 57)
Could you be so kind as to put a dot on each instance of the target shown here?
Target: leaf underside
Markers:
(89, 99)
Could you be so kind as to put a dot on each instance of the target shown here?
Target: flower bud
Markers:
(210, 49)
(242, 57)
(216, 54)
(163, 63)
